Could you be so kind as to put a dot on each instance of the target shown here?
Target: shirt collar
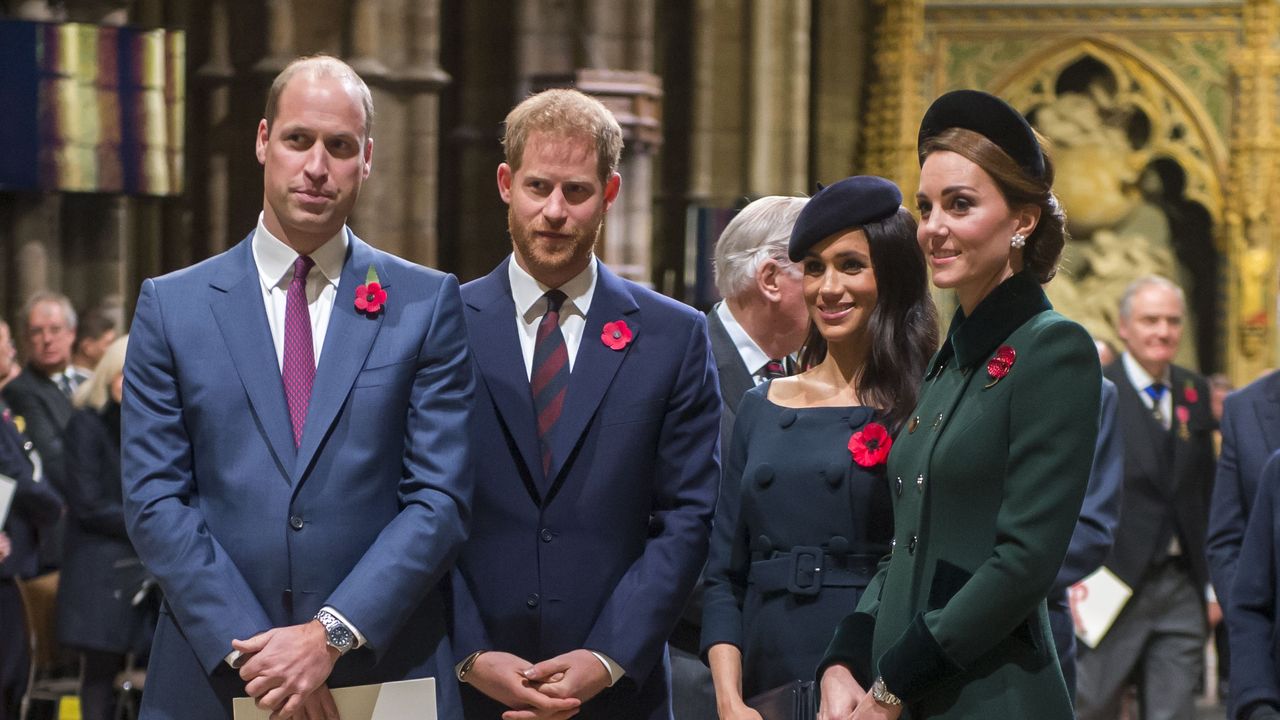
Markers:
(526, 291)
(275, 259)
(1005, 309)
(752, 356)
(1139, 376)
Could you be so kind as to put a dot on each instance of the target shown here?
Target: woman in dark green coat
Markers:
(989, 474)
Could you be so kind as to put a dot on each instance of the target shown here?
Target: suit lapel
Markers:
(735, 376)
(594, 366)
(347, 342)
(1268, 408)
(242, 320)
(492, 319)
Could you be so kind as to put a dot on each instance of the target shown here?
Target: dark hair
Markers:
(1019, 188)
(904, 324)
(93, 325)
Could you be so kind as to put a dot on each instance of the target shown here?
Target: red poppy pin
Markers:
(1189, 393)
(616, 335)
(370, 297)
(1000, 363)
(1183, 413)
(870, 445)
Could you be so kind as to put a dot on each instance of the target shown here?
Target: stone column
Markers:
(423, 79)
(1252, 205)
(777, 71)
(717, 171)
(889, 132)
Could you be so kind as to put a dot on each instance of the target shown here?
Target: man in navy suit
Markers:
(1252, 607)
(1250, 433)
(598, 407)
(296, 461)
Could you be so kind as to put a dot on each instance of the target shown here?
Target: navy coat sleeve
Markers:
(86, 478)
(1251, 617)
(1227, 508)
(1095, 530)
(729, 560)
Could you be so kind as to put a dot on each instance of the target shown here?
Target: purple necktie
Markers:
(550, 377)
(299, 370)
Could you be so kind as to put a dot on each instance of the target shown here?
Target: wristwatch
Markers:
(337, 634)
(881, 694)
(465, 666)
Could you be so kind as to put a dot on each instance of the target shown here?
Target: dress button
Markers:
(920, 483)
(893, 542)
(764, 475)
(937, 421)
(295, 522)
(898, 486)
(838, 545)
(786, 418)
(532, 600)
(546, 535)
(911, 546)
(915, 423)
(835, 473)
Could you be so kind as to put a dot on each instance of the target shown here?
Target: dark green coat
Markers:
(987, 485)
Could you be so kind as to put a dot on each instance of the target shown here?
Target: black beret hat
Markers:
(849, 203)
(990, 117)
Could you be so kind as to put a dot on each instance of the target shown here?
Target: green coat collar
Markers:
(972, 340)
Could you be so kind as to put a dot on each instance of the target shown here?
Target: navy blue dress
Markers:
(798, 532)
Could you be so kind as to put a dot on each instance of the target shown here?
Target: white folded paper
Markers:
(403, 700)
(8, 486)
(1096, 602)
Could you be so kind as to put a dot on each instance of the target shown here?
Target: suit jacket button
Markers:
(295, 522)
(532, 600)
(546, 535)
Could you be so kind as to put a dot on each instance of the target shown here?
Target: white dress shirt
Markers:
(752, 356)
(531, 306)
(274, 261)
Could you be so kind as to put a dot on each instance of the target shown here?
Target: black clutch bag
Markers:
(797, 700)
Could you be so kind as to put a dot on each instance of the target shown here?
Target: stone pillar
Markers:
(841, 45)
(214, 77)
(422, 80)
(889, 132)
(1252, 238)
(281, 41)
(717, 170)
(777, 72)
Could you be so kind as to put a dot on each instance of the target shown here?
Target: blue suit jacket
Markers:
(1254, 595)
(246, 533)
(1250, 433)
(602, 552)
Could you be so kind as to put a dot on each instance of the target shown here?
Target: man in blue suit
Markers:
(1250, 433)
(295, 452)
(1254, 599)
(598, 404)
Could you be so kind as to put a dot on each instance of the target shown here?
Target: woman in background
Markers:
(804, 509)
(103, 609)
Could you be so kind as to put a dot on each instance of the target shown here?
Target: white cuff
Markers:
(235, 659)
(615, 670)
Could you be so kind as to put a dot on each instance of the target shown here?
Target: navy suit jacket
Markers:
(244, 532)
(1250, 433)
(1251, 614)
(1095, 529)
(601, 552)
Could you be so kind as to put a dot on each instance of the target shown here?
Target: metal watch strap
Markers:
(467, 664)
(881, 694)
(337, 634)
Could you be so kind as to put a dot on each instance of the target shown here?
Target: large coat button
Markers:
(911, 546)
(764, 475)
(532, 600)
(786, 418)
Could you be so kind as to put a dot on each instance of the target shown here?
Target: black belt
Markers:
(805, 570)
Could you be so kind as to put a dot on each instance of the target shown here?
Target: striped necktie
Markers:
(549, 379)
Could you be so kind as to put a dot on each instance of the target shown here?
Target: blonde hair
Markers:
(96, 391)
(566, 114)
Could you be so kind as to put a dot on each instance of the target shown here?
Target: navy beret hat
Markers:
(988, 116)
(849, 203)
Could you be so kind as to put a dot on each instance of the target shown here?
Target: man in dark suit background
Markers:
(1159, 635)
(41, 394)
(35, 507)
(754, 332)
(296, 465)
(598, 410)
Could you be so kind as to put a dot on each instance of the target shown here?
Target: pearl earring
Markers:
(1018, 241)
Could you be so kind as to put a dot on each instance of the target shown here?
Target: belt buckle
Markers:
(805, 577)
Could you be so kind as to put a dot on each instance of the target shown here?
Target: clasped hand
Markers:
(286, 671)
(553, 689)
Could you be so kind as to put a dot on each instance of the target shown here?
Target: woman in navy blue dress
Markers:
(804, 512)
